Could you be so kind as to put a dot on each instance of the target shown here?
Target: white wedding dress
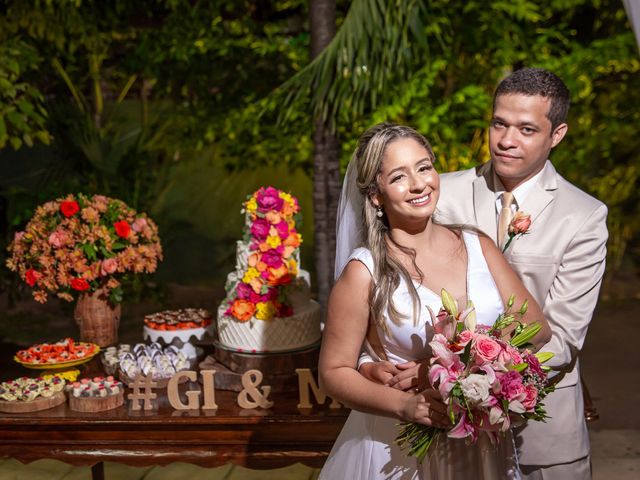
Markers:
(365, 448)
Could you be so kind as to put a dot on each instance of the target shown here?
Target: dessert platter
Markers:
(62, 354)
(24, 394)
(129, 363)
(180, 328)
(95, 394)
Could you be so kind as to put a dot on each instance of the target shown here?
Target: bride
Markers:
(380, 300)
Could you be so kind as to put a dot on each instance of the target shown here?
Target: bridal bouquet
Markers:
(486, 381)
(80, 243)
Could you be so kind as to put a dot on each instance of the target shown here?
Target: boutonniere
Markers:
(519, 225)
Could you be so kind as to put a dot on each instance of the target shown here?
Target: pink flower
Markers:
(443, 323)
(520, 224)
(260, 228)
(268, 199)
(272, 259)
(108, 266)
(531, 398)
(243, 291)
(18, 236)
(58, 239)
(486, 348)
(465, 337)
(139, 224)
(534, 365)
(283, 230)
(462, 429)
(511, 385)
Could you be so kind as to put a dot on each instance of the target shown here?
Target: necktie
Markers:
(505, 216)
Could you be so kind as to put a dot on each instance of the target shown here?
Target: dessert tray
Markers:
(24, 394)
(62, 354)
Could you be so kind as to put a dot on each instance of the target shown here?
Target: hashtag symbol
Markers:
(142, 390)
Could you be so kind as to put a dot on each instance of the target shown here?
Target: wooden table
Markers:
(257, 438)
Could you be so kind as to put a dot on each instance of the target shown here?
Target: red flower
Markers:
(69, 208)
(32, 276)
(122, 228)
(79, 284)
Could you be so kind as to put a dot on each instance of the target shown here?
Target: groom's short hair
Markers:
(538, 81)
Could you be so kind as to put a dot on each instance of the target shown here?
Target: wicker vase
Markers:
(97, 318)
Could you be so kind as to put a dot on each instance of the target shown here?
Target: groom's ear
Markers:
(558, 134)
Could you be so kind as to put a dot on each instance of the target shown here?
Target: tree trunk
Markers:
(326, 161)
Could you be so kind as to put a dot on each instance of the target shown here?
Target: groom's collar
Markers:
(548, 179)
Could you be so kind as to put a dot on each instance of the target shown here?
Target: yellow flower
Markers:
(293, 266)
(252, 205)
(250, 274)
(265, 311)
(273, 241)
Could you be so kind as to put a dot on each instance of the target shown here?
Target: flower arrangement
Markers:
(82, 243)
(274, 245)
(518, 226)
(486, 382)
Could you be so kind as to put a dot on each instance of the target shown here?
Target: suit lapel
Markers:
(484, 202)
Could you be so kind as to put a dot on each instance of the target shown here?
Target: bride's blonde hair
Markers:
(388, 270)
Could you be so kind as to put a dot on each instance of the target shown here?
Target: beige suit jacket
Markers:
(561, 261)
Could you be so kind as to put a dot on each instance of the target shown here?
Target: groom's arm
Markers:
(570, 303)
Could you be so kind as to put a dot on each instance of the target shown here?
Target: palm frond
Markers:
(377, 42)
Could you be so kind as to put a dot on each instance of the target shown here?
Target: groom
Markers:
(560, 259)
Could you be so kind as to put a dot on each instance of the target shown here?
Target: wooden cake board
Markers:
(278, 369)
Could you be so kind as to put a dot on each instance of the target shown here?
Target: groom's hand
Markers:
(379, 372)
(409, 376)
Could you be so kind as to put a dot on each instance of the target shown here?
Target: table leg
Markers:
(97, 471)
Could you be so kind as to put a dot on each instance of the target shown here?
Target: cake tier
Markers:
(181, 339)
(277, 335)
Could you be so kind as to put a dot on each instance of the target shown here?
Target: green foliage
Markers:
(22, 114)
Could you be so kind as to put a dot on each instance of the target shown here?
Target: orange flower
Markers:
(293, 240)
(243, 310)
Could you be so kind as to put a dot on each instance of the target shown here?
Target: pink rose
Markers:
(486, 349)
(283, 230)
(268, 199)
(511, 385)
(530, 397)
(514, 354)
(260, 228)
(272, 259)
(108, 266)
(243, 291)
(520, 223)
(18, 236)
(139, 224)
(58, 239)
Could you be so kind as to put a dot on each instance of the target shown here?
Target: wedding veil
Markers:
(349, 223)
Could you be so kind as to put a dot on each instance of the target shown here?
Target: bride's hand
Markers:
(426, 407)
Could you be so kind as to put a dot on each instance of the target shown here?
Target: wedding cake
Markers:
(267, 307)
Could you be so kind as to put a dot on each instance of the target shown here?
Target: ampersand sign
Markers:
(250, 381)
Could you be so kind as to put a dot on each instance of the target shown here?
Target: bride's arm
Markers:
(344, 332)
(508, 284)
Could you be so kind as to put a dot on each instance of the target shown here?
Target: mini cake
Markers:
(95, 394)
(178, 328)
(267, 307)
(145, 360)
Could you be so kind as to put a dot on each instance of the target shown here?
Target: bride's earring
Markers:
(379, 211)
